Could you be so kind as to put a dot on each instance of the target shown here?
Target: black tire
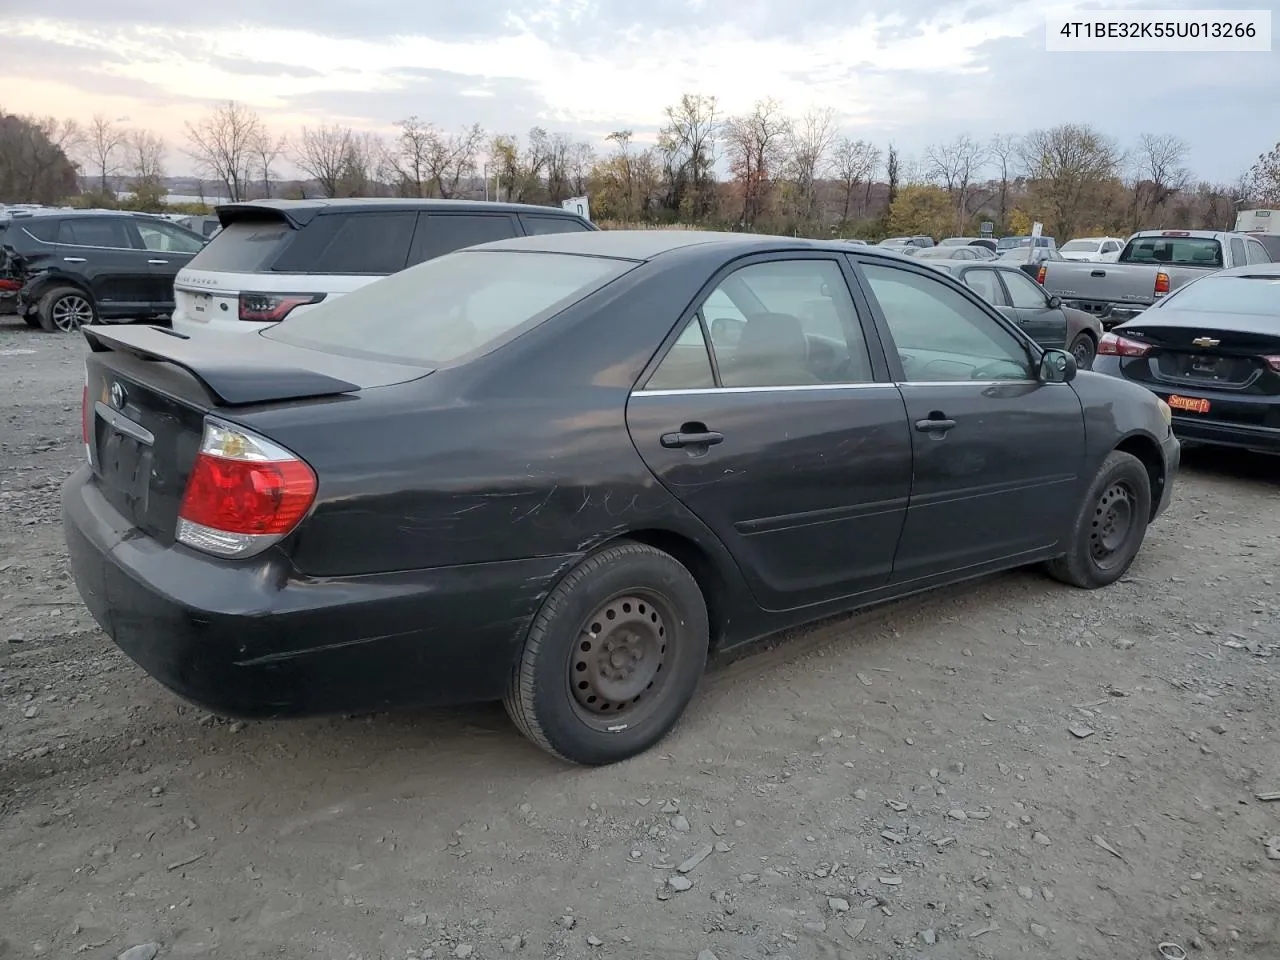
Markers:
(1084, 349)
(65, 310)
(1109, 527)
(31, 320)
(608, 628)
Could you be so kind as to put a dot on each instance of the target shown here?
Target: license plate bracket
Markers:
(125, 463)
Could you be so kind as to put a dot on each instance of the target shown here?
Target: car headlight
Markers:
(1165, 412)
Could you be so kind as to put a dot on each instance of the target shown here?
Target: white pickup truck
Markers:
(1152, 264)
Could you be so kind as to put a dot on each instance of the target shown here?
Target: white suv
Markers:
(274, 258)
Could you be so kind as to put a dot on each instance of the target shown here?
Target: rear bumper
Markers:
(1217, 433)
(255, 639)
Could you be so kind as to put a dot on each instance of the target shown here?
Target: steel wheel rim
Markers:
(1083, 353)
(621, 660)
(1113, 518)
(71, 312)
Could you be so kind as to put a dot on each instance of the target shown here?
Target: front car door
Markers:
(169, 249)
(771, 416)
(106, 253)
(1044, 324)
(998, 454)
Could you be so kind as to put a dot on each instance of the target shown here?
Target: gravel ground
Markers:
(1008, 769)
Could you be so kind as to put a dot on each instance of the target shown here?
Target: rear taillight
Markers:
(1112, 345)
(273, 307)
(1162, 283)
(9, 286)
(1040, 274)
(1273, 362)
(244, 494)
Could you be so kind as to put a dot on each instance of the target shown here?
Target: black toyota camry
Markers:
(561, 470)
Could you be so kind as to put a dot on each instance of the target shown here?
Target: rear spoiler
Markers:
(277, 210)
(235, 376)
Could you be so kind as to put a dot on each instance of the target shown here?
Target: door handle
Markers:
(73, 259)
(1097, 273)
(157, 261)
(701, 438)
(934, 426)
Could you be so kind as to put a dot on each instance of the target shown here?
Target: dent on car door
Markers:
(997, 454)
(772, 419)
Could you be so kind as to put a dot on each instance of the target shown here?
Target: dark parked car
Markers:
(1030, 260)
(1211, 350)
(78, 267)
(561, 469)
(951, 253)
(1042, 317)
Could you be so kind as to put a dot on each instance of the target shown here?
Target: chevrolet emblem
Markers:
(1205, 342)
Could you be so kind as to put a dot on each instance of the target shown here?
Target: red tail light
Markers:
(1273, 362)
(1112, 345)
(273, 307)
(1162, 283)
(244, 494)
(9, 286)
(1040, 274)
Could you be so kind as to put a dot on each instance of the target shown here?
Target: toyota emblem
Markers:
(118, 396)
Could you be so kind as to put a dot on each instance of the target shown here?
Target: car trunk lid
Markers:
(1223, 352)
(148, 391)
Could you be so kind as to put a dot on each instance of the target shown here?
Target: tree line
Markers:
(785, 174)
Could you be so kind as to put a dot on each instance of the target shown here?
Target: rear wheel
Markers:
(612, 658)
(65, 310)
(1084, 350)
(1110, 525)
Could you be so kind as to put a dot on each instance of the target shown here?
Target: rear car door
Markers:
(441, 233)
(170, 249)
(776, 424)
(1044, 324)
(105, 251)
(997, 455)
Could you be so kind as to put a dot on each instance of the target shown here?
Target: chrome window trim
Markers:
(690, 391)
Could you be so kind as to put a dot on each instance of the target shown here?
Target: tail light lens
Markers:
(273, 307)
(1162, 283)
(1273, 362)
(1040, 274)
(9, 286)
(244, 494)
(1112, 345)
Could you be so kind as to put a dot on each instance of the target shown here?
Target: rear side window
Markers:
(1237, 251)
(441, 233)
(45, 231)
(96, 232)
(246, 246)
(537, 226)
(376, 243)
(1257, 253)
(449, 308)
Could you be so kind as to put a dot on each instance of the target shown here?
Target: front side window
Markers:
(164, 238)
(440, 233)
(539, 226)
(1024, 293)
(941, 335)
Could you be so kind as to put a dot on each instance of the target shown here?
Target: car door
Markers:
(1041, 321)
(441, 233)
(997, 454)
(104, 251)
(775, 422)
(169, 249)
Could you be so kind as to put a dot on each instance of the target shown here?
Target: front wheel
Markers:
(612, 658)
(1109, 527)
(1084, 350)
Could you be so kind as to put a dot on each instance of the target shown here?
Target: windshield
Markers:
(1252, 296)
(450, 307)
(1081, 246)
(1179, 251)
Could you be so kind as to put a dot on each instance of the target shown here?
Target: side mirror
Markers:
(1055, 302)
(1057, 366)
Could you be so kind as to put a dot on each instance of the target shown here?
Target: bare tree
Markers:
(1070, 165)
(810, 143)
(582, 156)
(1261, 182)
(104, 143)
(855, 162)
(267, 148)
(756, 145)
(955, 166)
(324, 154)
(1004, 150)
(409, 155)
(451, 158)
(1158, 173)
(144, 155)
(359, 172)
(688, 144)
(222, 145)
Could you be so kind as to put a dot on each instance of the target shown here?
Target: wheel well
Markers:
(1148, 451)
(699, 563)
(47, 283)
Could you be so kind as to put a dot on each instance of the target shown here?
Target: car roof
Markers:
(340, 204)
(644, 245)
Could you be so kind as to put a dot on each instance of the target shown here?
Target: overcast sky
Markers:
(913, 72)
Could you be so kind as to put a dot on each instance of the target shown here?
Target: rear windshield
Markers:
(1253, 296)
(246, 246)
(459, 305)
(1082, 246)
(1179, 251)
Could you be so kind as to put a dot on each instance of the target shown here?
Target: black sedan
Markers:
(1041, 316)
(562, 470)
(1211, 350)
